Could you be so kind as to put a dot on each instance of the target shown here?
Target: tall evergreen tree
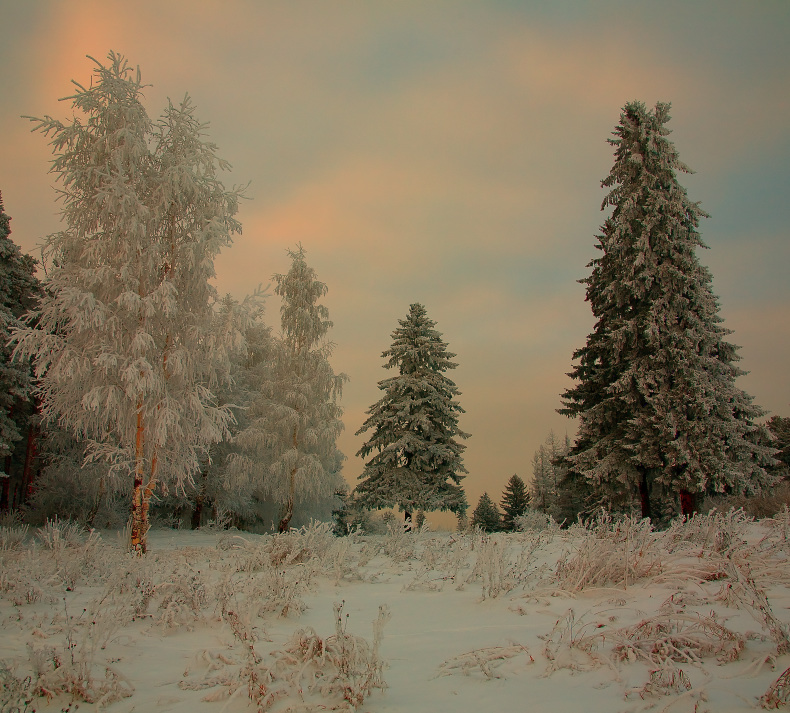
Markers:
(660, 417)
(289, 447)
(19, 289)
(515, 501)
(417, 459)
(124, 343)
(486, 516)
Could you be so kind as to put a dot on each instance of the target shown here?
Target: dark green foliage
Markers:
(349, 515)
(19, 290)
(575, 497)
(780, 430)
(486, 516)
(515, 501)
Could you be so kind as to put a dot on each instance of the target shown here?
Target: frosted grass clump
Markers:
(535, 520)
(13, 537)
(58, 534)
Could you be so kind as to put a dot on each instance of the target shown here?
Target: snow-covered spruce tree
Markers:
(19, 289)
(417, 461)
(124, 344)
(660, 417)
(515, 501)
(289, 447)
(486, 516)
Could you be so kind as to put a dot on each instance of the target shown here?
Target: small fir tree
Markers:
(515, 501)
(124, 343)
(660, 418)
(348, 517)
(486, 516)
(289, 447)
(417, 458)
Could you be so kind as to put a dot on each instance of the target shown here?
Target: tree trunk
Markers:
(139, 529)
(288, 512)
(95, 508)
(30, 455)
(197, 512)
(6, 493)
(200, 500)
(688, 503)
(288, 509)
(644, 495)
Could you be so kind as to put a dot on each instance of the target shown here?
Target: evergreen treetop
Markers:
(515, 501)
(486, 516)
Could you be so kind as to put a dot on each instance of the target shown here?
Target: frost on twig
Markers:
(778, 693)
(677, 637)
(486, 659)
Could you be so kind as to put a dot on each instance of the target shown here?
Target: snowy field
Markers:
(615, 617)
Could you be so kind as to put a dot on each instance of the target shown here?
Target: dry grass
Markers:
(248, 586)
(337, 672)
(486, 660)
(758, 506)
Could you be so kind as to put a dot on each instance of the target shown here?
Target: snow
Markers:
(534, 620)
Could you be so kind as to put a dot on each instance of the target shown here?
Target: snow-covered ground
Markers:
(611, 618)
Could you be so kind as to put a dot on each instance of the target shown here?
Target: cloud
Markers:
(448, 153)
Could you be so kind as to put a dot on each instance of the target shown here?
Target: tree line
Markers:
(128, 379)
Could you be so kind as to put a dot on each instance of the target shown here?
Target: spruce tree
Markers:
(417, 458)
(515, 501)
(124, 342)
(661, 420)
(289, 447)
(19, 289)
(486, 516)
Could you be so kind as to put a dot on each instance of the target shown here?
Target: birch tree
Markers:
(289, 447)
(124, 345)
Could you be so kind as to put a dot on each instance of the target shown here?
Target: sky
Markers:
(448, 153)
